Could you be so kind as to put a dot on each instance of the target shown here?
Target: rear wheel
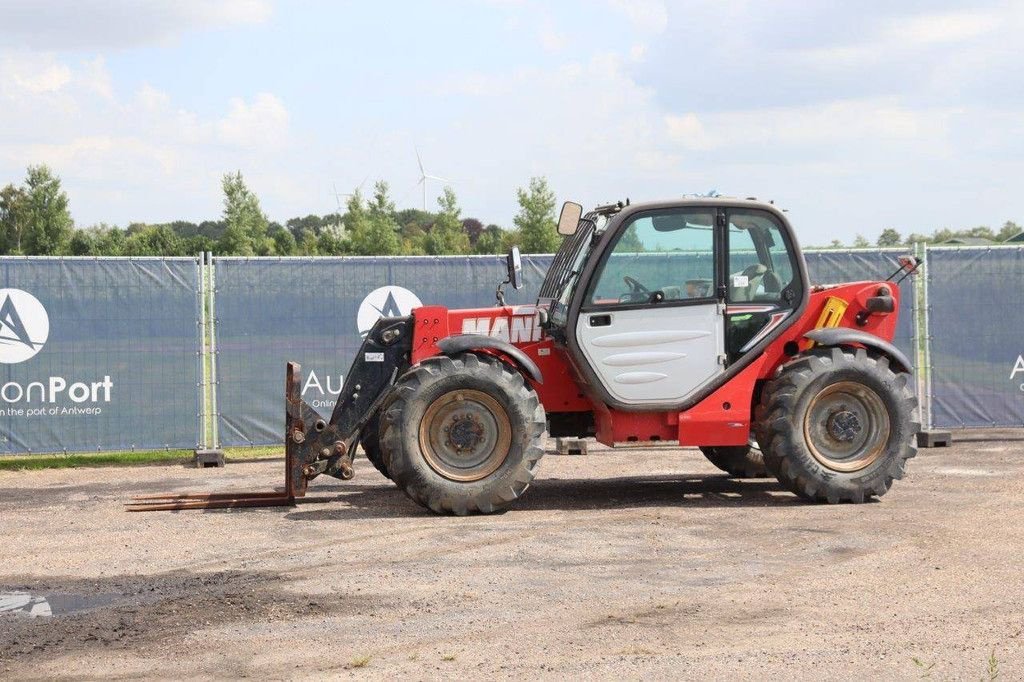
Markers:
(463, 435)
(740, 461)
(838, 425)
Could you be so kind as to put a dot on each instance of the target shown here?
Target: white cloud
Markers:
(263, 122)
(140, 157)
(867, 121)
(650, 16)
(551, 39)
(910, 119)
(97, 24)
(932, 29)
(33, 73)
(96, 78)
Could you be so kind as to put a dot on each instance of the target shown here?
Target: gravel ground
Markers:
(620, 564)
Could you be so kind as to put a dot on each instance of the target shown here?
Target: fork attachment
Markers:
(312, 445)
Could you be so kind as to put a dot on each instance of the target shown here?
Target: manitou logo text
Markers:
(522, 327)
(24, 326)
(389, 301)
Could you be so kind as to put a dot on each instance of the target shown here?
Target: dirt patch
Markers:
(126, 612)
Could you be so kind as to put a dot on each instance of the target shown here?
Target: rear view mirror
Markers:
(515, 268)
(569, 219)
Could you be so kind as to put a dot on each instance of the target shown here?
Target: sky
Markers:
(852, 116)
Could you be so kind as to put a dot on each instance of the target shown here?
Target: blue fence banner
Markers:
(108, 354)
(315, 311)
(836, 266)
(99, 354)
(976, 336)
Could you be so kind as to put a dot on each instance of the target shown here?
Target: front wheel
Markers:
(369, 439)
(463, 435)
(838, 425)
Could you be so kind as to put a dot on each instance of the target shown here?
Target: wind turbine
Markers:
(337, 198)
(424, 176)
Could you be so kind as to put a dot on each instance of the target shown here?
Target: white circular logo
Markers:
(24, 326)
(389, 301)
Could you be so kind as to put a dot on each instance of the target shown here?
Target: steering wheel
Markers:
(635, 287)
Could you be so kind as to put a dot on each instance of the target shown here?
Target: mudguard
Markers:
(844, 336)
(453, 345)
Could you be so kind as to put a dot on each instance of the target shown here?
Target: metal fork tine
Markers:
(224, 501)
(205, 496)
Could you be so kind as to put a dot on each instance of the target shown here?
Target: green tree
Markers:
(446, 236)
(83, 243)
(473, 229)
(48, 223)
(536, 218)
(154, 240)
(13, 217)
(313, 223)
(284, 241)
(491, 240)
(983, 231)
(1008, 230)
(860, 242)
(381, 205)
(889, 237)
(246, 231)
(374, 232)
(378, 233)
(308, 244)
(197, 244)
(630, 241)
(331, 243)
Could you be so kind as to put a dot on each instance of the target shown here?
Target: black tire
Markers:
(740, 461)
(473, 402)
(838, 425)
(369, 439)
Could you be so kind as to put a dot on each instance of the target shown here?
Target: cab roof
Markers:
(621, 210)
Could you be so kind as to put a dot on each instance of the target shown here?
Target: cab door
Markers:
(651, 326)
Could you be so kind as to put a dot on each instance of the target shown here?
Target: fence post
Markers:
(927, 342)
(201, 354)
(214, 380)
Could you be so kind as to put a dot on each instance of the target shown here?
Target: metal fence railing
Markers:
(100, 354)
(974, 375)
(131, 353)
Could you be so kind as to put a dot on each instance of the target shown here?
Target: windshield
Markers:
(565, 270)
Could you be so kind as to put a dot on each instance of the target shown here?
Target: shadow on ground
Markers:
(579, 494)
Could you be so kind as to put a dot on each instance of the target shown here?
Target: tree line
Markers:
(35, 219)
(891, 237)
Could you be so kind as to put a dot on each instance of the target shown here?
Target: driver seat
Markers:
(754, 273)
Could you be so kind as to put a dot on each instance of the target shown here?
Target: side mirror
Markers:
(515, 268)
(569, 219)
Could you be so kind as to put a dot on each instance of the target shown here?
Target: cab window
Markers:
(660, 257)
(760, 260)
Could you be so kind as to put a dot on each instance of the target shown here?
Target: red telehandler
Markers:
(689, 321)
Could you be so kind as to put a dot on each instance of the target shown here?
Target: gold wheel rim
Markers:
(846, 426)
(465, 435)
